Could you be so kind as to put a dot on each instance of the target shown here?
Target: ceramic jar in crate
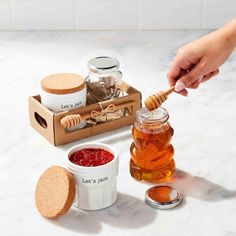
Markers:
(62, 92)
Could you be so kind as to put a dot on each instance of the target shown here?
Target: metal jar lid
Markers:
(103, 65)
(163, 197)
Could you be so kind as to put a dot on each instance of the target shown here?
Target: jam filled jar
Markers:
(151, 152)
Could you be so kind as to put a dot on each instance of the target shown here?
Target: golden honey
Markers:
(151, 151)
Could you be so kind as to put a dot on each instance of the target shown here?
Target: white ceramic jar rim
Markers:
(92, 169)
(64, 97)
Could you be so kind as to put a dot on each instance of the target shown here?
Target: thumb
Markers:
(190, 76)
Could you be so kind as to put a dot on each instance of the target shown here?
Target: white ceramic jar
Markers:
(63, 92)
(96, 186)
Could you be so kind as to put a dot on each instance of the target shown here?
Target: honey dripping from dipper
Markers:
(155, 101)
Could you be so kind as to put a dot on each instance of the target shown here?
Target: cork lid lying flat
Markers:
(63, 83)
(55, 192)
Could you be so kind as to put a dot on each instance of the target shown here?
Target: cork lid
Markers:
(63, 83)
(55, 192)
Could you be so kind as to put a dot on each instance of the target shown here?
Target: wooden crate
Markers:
(48, 123)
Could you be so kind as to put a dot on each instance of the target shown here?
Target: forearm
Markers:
(229, 32)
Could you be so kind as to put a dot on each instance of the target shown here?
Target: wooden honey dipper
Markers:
(72, 120)
(154, 101)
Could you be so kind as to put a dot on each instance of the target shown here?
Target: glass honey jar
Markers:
(151, 151)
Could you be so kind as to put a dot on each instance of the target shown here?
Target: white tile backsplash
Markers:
(218, 12)
(43, 15)
(107, 14)
(170, 14)
(5, 19)
(114, 14)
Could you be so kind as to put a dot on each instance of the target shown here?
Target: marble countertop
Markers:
(204, 139)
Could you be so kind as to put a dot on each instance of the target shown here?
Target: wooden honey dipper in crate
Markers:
(154, 101)
(72, 120)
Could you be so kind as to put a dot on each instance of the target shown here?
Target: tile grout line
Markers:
(139, 15)
(203, 14)
(10, 15)
(75, 15)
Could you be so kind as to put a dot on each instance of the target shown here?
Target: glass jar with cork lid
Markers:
(151, 151)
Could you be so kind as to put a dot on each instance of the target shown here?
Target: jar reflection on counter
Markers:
(151, 152)
(103, 79)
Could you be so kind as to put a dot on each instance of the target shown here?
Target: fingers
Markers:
(189, 78)
(178, 68)
(184, 92)
(188, 70)
(174, 74)
(210, 75)
(196, 83)
(199, 80)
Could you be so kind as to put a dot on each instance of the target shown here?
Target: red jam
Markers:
(91, 157)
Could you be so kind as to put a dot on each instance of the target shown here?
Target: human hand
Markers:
(199, 61)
